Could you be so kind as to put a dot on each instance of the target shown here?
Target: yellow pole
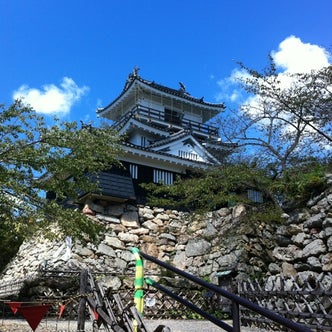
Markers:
(139, 283)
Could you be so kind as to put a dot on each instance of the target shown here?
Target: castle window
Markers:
(144, 141)
(255, 196)
(133, 169)
(164, 177)
(187, 155)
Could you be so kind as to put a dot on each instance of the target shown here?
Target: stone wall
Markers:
(205, 245)
(200, 245)
(304, 241)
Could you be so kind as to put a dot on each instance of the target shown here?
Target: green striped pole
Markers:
(139, 283)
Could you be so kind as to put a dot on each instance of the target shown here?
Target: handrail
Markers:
(236, 300)
(190, 305)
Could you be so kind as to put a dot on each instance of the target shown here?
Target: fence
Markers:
(11, 288)
(237, 302)
(306, 301)
(159, 306)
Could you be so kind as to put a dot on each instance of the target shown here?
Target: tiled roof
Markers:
(113, 184)
(162, 154)
(185, 132)
(128, 117)
(181, 92)
(171, 138)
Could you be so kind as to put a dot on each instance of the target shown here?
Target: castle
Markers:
(166, 133)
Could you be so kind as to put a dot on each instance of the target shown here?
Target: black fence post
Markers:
(236, 316)
(82, 303)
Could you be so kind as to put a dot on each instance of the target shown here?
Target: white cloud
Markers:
(229, 87)
(294, 56)
(297, 57)
(51, 99)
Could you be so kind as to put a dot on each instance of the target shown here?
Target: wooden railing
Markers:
(10, 288)
(158, 117)
(306, 301)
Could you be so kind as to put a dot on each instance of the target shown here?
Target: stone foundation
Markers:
(205, 245)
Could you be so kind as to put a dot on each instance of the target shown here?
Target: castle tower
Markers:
(166, 131)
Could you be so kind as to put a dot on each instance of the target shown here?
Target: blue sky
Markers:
(68, 57)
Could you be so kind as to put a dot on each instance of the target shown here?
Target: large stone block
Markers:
(167, 236)
(113, 283)
(162, 216)
(114, 242)
(127, 237)
(104, 249)
(151, 226)
(197, 247)
(299, 238)
(108, 219)
(288, 269)
(115, 210)
(139, 231)
(316, 221)
(179, 260)
(314, 248)
(238, 211)
(126, 255)
(329, 244)
(228, 261)
(83, 251)
(130, 219)
(314, 263)
(327, 262)
(287, 254)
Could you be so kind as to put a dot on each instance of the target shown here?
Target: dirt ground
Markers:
(18, 325)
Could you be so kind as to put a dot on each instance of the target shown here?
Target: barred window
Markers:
(188, 155)
(162, 176)
(255, 196)
(133, 169)
(143, 141)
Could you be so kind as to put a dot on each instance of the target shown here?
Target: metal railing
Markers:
(236, 301)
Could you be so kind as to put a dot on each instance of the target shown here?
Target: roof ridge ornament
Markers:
(134, 73)
(132, 76)
(182, 87)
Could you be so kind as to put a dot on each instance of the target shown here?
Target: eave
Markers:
(152, 88)
(142, 125)
(162, 160)
(181, 136)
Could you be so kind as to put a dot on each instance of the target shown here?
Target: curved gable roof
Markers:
(134, 79)
(181, 136)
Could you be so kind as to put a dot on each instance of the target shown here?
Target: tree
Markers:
(229, 184)
(285, 127)
(215, 188)
(286, 119)
(36, 158)
(317, 108)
